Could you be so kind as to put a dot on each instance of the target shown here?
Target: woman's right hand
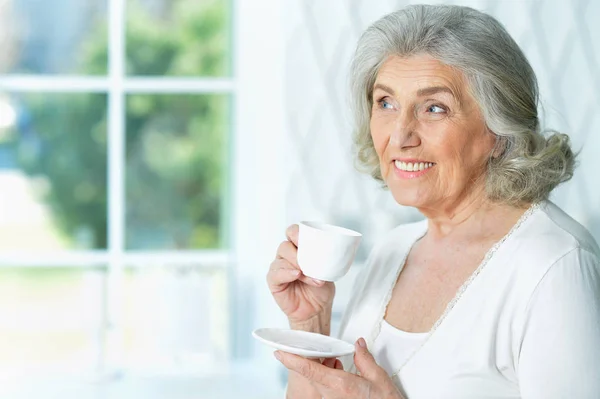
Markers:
(305, 301)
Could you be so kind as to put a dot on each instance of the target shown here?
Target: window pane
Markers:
(175, 172)
(53, 37)
(178, 37)
(175, 317)
(53, 171)
(50, 318)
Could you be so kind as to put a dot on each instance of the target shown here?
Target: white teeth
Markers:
(413, 167)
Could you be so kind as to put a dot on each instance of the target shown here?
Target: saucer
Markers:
(302, 343)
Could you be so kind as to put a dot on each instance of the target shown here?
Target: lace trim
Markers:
(377, 328)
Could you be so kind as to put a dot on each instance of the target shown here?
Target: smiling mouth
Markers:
(413, 166)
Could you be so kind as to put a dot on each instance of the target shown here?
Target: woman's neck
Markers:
(476, 218)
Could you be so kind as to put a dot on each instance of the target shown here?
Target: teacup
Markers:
(325, 251)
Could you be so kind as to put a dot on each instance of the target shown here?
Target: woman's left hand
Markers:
(333, 383)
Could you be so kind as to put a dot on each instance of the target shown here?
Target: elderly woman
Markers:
(496, 294)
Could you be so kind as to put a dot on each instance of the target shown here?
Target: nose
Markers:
(404, 132)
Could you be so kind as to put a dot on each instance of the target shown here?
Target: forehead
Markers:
(407, 74)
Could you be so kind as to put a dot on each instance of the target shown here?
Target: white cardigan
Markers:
(528, 326)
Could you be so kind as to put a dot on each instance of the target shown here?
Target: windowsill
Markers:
(243, 380)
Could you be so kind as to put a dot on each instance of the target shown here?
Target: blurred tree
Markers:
(175, 144)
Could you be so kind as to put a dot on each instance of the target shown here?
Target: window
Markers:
(115, 234)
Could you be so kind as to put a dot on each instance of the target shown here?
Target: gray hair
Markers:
(500, 78)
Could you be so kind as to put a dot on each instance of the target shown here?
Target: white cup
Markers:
(325, 251)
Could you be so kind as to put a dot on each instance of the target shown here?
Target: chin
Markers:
(406, 196)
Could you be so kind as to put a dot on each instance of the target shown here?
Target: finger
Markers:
(330, 362)
(292, 234)
(312, 371)
(281, 274)
(338, 364)
(289, 252)
(365, 363)
(311, 281)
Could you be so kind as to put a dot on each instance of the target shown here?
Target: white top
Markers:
(393, 346)
(527, 326)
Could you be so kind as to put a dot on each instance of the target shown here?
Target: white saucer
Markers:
(302, 343)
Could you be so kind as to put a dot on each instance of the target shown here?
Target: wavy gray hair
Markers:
(500, 78)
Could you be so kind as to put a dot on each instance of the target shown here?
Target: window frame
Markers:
(116, 84)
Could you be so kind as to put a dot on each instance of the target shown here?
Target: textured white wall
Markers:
(559, 38)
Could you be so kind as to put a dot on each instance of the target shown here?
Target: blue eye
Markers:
(384, 104)
(435, 109)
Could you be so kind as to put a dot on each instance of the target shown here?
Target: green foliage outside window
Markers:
(175, 144)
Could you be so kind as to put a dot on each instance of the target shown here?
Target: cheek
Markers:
(476, 152)
(379, 136)
(451, 140)
(461, 154)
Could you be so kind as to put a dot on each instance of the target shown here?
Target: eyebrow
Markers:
(427, 91)
(384, 88)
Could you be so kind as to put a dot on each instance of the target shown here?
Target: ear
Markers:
(499, 146)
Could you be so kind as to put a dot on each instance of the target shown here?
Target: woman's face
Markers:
(429, 134)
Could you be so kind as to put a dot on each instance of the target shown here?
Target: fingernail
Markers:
(277, 355)
(362, 343)
(294, 272)
(318, 282)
